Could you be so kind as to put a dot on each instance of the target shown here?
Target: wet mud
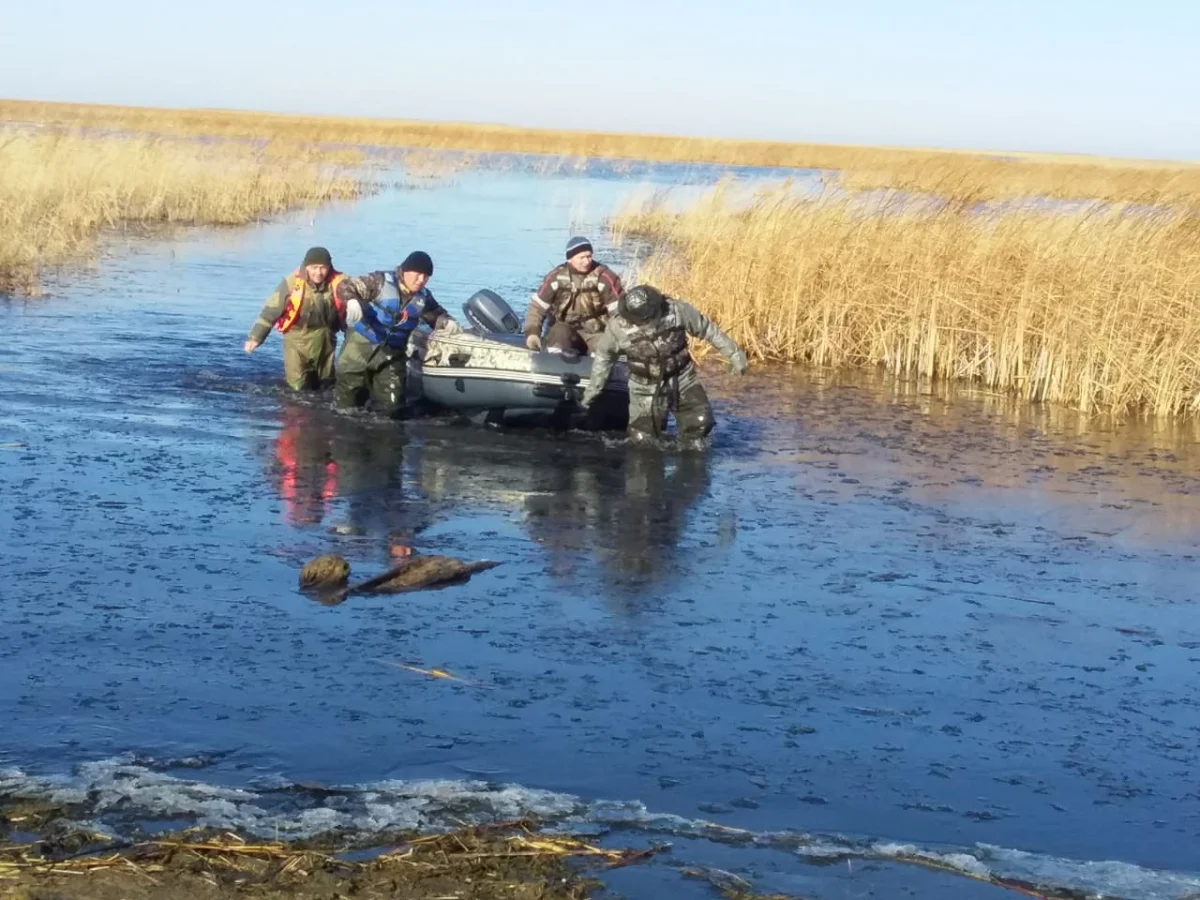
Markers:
(869, 624)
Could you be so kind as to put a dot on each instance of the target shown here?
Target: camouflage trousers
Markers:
(650, 404)
(363, 374)
(308, 358)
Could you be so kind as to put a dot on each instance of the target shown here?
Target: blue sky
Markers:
(1072, 76)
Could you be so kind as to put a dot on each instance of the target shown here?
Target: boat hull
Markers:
(495, 378)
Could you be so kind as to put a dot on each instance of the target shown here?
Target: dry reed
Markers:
(984, 178)
(510, 860)
(1096, 308)
(958, 174)
(59, 190)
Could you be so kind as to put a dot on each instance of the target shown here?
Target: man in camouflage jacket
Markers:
(652, 330)
(577, 297)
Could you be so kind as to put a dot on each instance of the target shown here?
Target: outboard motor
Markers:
(488, 312)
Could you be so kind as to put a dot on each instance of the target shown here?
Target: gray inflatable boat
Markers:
(488, 374)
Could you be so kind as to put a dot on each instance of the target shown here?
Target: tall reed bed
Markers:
(985, 178)
(967, 175)
(60, 190)
(1096, 308)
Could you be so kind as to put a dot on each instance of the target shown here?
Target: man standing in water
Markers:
(578, 297)
(305, 310)
(382, 310)
(652, 331)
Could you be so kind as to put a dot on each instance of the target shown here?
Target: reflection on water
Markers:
(345, 472)
(619, 509)
(632, 522)
(616, 509)
(303, 466)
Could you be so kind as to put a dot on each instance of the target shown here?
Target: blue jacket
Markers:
(388, 318)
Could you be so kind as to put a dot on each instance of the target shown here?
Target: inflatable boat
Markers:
(487, 374)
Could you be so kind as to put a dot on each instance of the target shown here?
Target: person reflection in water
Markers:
(630, 518)
(370, 457)
(623, 511)
(321, 460)
(652, 515)
(306, 474)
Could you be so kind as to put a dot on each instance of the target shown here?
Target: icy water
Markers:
(867, 627)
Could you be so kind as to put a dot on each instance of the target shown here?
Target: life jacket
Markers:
(659, 350)
(578, 303)
(291, 312)
(390, 318)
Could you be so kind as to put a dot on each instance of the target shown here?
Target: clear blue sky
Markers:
(1105, 77)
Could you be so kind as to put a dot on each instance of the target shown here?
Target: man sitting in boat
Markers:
(382, 311)
(578, 297)
(652, 331)
(305, 310)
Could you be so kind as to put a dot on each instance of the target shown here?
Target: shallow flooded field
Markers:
(868, 626)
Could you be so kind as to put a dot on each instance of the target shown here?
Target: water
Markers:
(869, 625)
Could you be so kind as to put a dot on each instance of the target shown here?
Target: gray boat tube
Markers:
(488, 374)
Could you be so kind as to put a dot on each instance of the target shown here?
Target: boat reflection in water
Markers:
(596, 507)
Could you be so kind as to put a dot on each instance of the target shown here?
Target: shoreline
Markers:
(44, 853)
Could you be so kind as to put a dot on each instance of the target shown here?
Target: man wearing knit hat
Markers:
(305, 310)
(382, 311)
(578, 297)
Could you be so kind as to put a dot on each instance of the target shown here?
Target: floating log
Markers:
(327, 576)
(419, 572)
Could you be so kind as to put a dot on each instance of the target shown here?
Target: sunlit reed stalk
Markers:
(1097, 308)
(960, 174)
(59, 191)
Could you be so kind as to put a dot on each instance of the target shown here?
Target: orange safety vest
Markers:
(291, 312)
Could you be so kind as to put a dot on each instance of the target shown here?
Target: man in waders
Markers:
(577, 297)
(305, 310)
(652, 331)
(382, 310)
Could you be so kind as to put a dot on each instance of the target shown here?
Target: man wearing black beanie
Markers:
(382, 311)
(305, 310)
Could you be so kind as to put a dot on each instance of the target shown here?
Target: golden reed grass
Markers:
(59, 190)
(1098, 309)
(963, 174)
(985, 178)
